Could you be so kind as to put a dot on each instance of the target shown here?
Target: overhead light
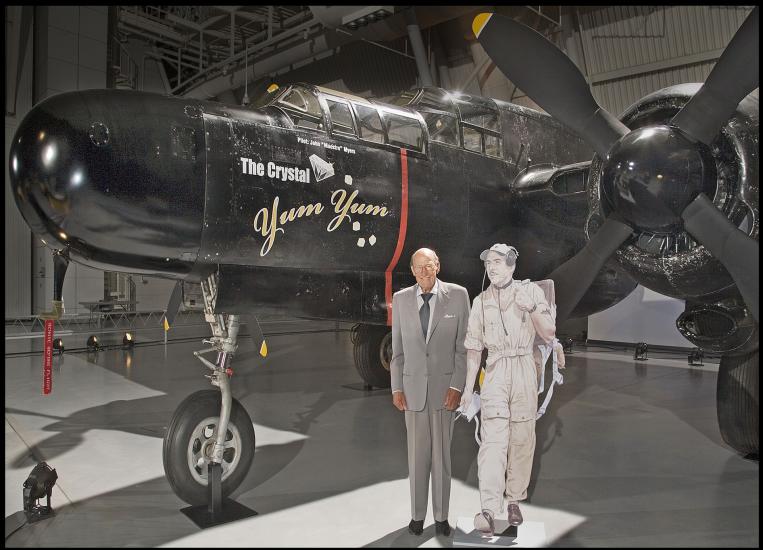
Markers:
(127, 340)
(49, 155)
(366, 15)
(567, 345)
(92, 343)
(58, 345)
(695, 357)
(77, 178)
(641, 353)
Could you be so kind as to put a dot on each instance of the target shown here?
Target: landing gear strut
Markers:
(210, 435)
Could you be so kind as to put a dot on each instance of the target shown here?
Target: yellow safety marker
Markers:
(166, 325)
(272, 88)
(264, 349)
(482, 376)
(479, 23)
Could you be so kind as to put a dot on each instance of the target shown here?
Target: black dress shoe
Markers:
(442, 528)
(416, 527)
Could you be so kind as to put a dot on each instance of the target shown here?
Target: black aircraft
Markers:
(312, 203)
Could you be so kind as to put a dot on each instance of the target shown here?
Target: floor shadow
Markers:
(402, 538)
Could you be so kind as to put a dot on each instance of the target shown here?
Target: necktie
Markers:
(424, 313)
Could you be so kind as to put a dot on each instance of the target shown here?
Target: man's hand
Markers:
(466, 400)
(452, 399)
(398, 400)
(523, 300)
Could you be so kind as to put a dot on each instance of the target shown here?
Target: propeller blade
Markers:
(736, 251)
(573, 277)
(549, 77)
(174, 305)
(733, 77)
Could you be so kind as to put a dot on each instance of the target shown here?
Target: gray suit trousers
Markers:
(429, 434)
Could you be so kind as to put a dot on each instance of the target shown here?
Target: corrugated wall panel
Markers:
(618, 37)
(623, 38)
(618, 95)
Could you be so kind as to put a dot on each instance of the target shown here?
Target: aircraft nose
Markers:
(46, 165)
(116, 177)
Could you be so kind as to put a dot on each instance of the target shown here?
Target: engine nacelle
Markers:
(669, 260)
(721, 326)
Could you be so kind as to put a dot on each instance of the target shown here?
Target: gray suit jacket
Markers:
(425, 370)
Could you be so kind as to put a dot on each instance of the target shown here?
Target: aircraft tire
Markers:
(372, 347)
(738, 402)
(189, 433)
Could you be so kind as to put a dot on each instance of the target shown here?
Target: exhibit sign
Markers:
(47, 361)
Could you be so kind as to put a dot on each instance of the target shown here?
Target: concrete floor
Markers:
(628, 453)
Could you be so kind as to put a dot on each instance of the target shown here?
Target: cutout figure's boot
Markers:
(483, 522)
(515, 515)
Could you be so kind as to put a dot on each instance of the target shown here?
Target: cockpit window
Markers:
(480, 124)
(436, 99)
(442, 126)
(303, 108)
(404, 131)
(370, 123)
(341, 117)
(492, 145)
(479, 115)
(472, 139)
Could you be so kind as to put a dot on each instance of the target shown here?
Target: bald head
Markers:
(424, 255)
(425, 266)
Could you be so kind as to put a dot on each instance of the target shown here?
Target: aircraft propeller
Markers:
(642, 185)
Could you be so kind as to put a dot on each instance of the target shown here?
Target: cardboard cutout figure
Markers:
(506, 319)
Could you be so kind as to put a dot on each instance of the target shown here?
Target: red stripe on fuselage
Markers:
(400, 235)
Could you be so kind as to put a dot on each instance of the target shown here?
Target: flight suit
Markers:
(509, 392)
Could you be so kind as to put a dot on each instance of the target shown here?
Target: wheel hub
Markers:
(201, 447)
(652, 174)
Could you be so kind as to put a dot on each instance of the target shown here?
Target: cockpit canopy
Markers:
(455, 119)
(471, 122)
(348, 116)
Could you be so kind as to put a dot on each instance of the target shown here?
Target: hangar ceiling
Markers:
(196, 43)
(204, 50)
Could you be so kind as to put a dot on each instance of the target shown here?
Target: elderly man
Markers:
(428, 369)
(504, 319)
